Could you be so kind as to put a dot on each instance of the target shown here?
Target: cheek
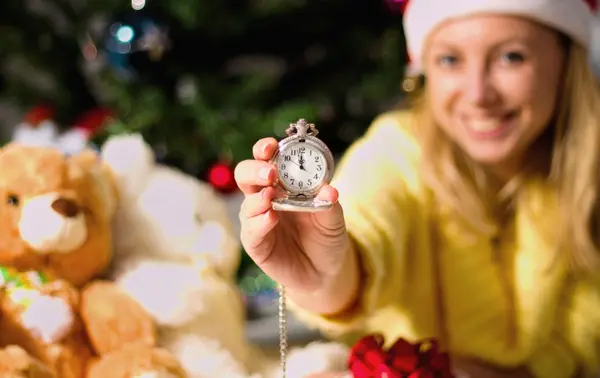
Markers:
(534, 93)
(443, 92)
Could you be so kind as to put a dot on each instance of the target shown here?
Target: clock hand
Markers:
(301, 161)
(291, 161)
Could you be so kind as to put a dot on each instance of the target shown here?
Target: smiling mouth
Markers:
(490, 127)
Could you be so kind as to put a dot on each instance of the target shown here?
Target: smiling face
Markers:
(493, 84)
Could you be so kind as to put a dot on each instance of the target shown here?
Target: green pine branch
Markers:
(237, 71)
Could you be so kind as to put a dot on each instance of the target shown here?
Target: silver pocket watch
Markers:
(304, 165)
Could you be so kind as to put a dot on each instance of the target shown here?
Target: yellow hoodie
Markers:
(510, 302)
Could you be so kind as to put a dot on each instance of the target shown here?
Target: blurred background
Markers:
(200, 80)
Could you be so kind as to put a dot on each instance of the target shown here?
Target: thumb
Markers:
(333, 218)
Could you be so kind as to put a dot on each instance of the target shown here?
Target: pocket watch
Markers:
(304, 165)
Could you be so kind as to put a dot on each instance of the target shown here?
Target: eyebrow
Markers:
(525, 41)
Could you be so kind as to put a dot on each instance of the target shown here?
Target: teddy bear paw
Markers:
(49, 318)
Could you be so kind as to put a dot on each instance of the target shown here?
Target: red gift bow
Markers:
(368, 359)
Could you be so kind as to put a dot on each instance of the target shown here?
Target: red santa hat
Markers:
(37, 127)
(572, 17)
(39, 114)
(87, 126)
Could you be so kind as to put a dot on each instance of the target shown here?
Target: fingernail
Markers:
(264, 173)
(267, 148)
(263, 193)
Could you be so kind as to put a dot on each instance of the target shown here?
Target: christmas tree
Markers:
(202, 81)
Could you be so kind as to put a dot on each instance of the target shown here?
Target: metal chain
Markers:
(283, 340)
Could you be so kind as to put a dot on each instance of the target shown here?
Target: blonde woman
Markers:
(473, 217)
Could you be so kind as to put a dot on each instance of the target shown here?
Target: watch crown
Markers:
(302, 128)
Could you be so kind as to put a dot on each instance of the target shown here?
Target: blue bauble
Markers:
(135, 45)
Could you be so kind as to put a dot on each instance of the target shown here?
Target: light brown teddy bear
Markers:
(55, 216)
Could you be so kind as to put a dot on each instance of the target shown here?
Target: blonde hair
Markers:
(566, 157)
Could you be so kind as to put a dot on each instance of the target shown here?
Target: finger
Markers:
(328, 193)
(257, 203)
(264, 149)
(252, 175)
(255, 230)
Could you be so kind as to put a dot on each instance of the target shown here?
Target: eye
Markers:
(512, 57)
(12, 199)
(447, 60)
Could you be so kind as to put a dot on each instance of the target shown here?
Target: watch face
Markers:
(302, 167)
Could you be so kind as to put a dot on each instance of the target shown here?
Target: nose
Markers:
(480, 88)
(65, 207)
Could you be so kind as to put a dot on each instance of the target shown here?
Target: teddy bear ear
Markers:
(88, 162)
(86, 158)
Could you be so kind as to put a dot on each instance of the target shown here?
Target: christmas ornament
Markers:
(37, 128)
(368, 359)
(134, 45)
(221, 177)
(87, 126)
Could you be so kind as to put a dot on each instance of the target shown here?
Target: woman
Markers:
(473, 217)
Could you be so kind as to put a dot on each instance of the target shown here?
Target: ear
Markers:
(86, 159)
(131, 160)
(89, 163)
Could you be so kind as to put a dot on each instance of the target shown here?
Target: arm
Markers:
(576, 339)
(113, 319)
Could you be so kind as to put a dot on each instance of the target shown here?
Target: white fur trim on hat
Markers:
(421, 17)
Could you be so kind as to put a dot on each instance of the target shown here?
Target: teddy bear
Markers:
(15, 362)
(55, 241)
(176, 253)
(175, 236)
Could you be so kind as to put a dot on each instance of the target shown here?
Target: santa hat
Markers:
(572, 17)
(38, 115)
(87, 126)
(37, 127)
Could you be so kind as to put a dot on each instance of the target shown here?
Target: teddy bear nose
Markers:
(65, 207)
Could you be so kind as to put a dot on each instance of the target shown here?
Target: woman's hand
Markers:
(309, 253)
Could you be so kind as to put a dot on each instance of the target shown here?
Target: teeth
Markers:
(485, 126)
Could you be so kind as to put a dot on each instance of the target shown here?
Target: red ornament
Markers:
(368, 359)
(221, 177)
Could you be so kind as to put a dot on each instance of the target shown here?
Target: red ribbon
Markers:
(368, 359)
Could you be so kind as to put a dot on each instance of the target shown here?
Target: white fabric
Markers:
(421, 17)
